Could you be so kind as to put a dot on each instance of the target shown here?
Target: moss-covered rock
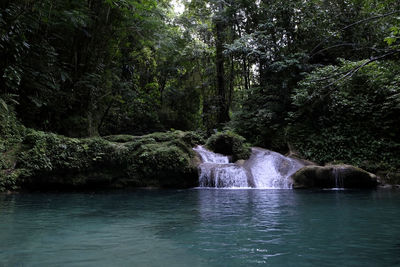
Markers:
(163, 164)
(122, 138)
(44, 161)
(343, 176)
(389, 178)
(54, 161)
(11, 135)
(229, 143)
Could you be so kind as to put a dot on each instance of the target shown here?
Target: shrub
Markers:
(229, 143)
(354, 120)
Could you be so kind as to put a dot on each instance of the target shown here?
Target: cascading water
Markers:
(210, 157)
(271, 170)
(337, 174)
(216, 171)
(264, 169)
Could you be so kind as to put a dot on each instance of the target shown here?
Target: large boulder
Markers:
(333, 176)
(389, 179)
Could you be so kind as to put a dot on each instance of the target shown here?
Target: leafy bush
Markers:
(11, 134)
(11, 131)
(47, 151)
(260, 119)
(353, 120)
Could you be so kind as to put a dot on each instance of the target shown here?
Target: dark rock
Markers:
(333, 176)
(389, 178)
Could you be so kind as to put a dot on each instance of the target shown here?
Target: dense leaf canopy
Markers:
(317, 77)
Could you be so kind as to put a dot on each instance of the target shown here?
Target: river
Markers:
(201, 227)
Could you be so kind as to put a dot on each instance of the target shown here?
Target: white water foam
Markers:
(264, 169)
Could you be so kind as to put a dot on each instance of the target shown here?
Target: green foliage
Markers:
(48, 152)
(229, 143)
(11, 131)
(192, 139)
(11, 134)
(394, 38)
(8, 173)
(42, 160)
(260, 120)
(161, 164)
(121, 138)
(160, 159)
(353, 120)
(118, 68)
(288, 40)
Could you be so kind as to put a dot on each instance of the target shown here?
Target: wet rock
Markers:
(333, 176)
(389, 178)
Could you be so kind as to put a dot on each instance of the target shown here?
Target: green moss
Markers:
(123, 138)
(31, 159)
(161, 159)
(47, 152)
(191, 139)
(45, 160)
(11, 134)
(11, 131)
(164, 164)
(229, 143)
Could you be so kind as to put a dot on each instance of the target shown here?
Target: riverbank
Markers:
(36, 160)
(49, 161)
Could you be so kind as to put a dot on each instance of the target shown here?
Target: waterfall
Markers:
(216, 171)
(210, 157)
(264, 169)
(271, 170)
(337, 174)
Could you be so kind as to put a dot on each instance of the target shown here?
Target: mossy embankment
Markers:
(36, 160)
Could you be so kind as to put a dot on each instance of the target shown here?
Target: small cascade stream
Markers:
(264, 169)
(337, 174)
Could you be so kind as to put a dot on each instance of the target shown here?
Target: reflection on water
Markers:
(201, 228)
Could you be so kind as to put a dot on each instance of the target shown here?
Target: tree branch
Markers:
(353, 24)
(330, 47)
(350, 73)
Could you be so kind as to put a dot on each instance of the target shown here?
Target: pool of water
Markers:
(201, 228)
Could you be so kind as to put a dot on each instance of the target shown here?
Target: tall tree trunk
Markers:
(231, 82)
(223, 112)
(246, 74)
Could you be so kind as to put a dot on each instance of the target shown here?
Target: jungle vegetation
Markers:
(319, 78)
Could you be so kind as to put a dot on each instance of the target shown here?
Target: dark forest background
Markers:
(318, 77)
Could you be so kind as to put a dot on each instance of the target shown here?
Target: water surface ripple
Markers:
(201, 228)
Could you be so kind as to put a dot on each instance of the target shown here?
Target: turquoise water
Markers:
(201, 228)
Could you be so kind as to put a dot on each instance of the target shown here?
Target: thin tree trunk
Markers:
(245, 74)
(223, 113)
(231, 83)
